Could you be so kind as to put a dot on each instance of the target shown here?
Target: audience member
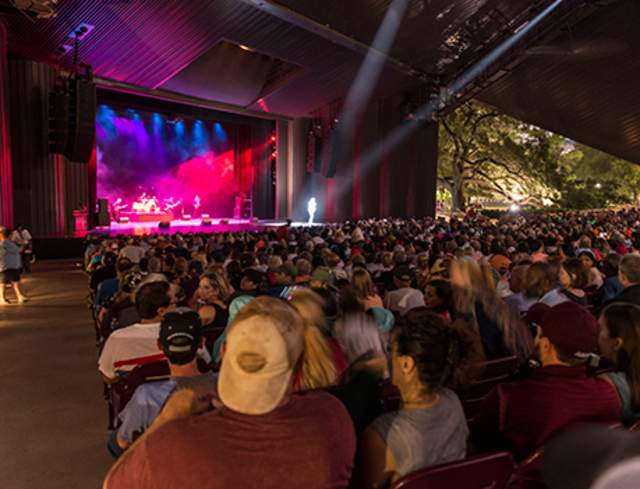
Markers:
(619, 342)
(262, 434)
(180, 338)
(427, 357)
(522, 416)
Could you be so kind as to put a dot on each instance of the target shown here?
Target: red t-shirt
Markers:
(522, 416)
(308, 443)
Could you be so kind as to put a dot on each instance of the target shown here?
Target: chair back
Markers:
(122, 391)
(491, 471)
(495, 372)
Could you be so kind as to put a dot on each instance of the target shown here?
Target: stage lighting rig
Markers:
(40, 9)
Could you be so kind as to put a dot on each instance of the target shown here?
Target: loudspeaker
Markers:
(82, 120)
(103, 205)
(58, 119)
(164, 224)
(104, 219)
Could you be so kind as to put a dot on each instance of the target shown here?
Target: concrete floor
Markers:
(52, 414)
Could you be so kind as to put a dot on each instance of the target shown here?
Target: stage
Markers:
(218, 225)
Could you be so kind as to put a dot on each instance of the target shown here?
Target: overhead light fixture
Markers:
(245, 48)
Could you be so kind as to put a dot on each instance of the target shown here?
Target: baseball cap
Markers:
(262, 348)
(403, 273)
(500, 262)
(180, 331)
(568, 326)
(324, 275)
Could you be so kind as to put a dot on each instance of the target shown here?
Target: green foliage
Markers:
(489, 155)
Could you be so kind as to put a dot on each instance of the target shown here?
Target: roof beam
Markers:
(294, 18)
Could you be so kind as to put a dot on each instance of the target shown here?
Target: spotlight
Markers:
(245, 48)
(274, 154)
(186, 217)
(598, 185)
(514, 208)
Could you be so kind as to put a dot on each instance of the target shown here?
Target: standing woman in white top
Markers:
(22, 238)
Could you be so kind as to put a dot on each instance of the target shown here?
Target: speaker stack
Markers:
(72, 118)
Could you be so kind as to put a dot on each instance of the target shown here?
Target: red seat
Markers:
(491, 471)
(495, 372)
(120, 393)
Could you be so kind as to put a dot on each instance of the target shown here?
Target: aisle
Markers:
(52, 415)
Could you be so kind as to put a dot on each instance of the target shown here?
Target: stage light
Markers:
(514, 208)
(273, 139)
(598, 185)
(186, 217)
(205, 216)
(312, 207)
(244, 48)
(274, 154)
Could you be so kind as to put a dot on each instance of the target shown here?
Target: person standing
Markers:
(10, 263)
(22, 238)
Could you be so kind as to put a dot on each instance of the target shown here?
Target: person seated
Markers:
(180, 337)
(365, 289)
(214, 290)
(137, 344)
(610, 268)
(262, 435)
(427, 356)
(541, 285)
(106, 270)
(405, 297)
(120, 311)
(629, 276)
(594, 277)
(321, 365)
(107, 288)
(619, 342)
(523, 416)
(438, 297)
(573, 280)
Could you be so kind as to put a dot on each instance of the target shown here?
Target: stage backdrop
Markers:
(169, 157)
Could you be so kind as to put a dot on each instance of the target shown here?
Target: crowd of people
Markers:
(316, 325)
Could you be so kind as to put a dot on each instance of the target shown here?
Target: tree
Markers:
(487, 154)
(484, 153)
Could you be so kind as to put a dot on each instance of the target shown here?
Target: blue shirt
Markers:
(553, 298)
(148, 400)
(9, 256)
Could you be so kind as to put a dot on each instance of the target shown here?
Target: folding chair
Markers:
(491, 471)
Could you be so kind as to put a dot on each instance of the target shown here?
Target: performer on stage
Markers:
(196, 206)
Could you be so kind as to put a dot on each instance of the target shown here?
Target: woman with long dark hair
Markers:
(620, 342)
(428, 356)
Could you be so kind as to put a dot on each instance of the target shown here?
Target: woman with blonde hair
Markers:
(214, 290)
(476, 301)
(365, 289)
(319, 361)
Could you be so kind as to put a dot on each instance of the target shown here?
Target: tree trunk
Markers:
(457, 192)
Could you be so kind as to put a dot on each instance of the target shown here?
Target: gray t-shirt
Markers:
(420, 438)
(149, 398)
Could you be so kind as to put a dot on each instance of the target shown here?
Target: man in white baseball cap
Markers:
(263, 436)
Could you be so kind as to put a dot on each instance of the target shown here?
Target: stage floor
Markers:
(188, 226)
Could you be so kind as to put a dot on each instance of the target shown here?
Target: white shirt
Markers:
(403, 300)
(21, 237)
(131, 346)
(133, 253)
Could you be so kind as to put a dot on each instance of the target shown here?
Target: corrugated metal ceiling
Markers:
(583, 84)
